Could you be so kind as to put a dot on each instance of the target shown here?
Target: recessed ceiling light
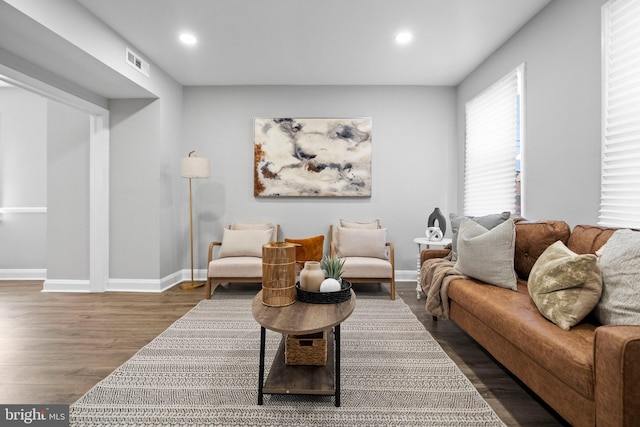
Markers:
(404, 37)
(188, 38)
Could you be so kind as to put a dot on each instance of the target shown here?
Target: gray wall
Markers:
(147, 214)
(418, 159)
(68, 193)
(413, 160)
(133, 188)
(44, 164)
(172, 197)
(147, 211)
(561, 50)
(146, 241)
(23, 173)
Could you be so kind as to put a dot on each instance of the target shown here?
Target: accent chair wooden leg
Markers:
(207, 288)
(392, 286)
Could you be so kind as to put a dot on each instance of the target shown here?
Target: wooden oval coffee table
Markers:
(301, 319)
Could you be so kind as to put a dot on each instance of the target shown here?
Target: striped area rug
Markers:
(203, 371)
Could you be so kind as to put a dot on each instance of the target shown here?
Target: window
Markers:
(492, 179)
(620, 174)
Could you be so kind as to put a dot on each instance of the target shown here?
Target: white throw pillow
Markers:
(487, 255)
(352, 224)
(244, 242)
(251, 225)
(620, 267)
(256, 226)
(362, 242)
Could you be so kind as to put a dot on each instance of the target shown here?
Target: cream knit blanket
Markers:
(435, 276)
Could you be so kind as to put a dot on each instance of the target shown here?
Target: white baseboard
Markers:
(133, 285)
(23, 274)
(63, 285)
(125, 285)
(151, 285)
(406, 276)
(147, 285)
(154, 285)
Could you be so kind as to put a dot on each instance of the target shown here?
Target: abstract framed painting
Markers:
(312, 157)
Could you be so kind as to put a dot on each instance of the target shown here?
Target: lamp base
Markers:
(191, 285)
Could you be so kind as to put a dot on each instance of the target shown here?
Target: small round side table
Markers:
(428, 244)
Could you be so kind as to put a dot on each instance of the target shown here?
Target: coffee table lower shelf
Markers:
(303, 379)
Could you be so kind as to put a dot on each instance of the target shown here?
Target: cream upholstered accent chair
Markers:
(238, 258)
(368, 256)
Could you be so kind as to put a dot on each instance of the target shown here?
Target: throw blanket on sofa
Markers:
(435, 276)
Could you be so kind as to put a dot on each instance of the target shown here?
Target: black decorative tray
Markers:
(344, 294)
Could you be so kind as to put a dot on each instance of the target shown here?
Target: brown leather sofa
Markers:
(590, 375)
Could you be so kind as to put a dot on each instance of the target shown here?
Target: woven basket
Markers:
(278, 274)
(306, 349)
(344, 294)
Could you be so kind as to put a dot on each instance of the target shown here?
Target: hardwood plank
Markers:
(55, 346)
(514, 403)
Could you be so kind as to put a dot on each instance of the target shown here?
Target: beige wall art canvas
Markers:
(309, 157)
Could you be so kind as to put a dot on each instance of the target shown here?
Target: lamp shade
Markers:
(195, 167)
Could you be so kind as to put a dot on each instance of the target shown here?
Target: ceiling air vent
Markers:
(137, 62)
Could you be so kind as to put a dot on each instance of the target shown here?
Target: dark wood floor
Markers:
(55, 346)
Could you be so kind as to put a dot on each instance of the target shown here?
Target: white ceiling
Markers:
(321, 42)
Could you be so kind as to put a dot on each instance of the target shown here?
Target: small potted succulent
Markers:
(332, 267)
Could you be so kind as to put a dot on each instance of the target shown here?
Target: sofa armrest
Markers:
(433, 253)
(617, 375)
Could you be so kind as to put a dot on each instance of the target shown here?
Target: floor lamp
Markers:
(191, 167)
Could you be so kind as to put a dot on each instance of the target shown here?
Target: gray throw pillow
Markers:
(565, 286)
(487, 221)
(487, 255)
(620, 266)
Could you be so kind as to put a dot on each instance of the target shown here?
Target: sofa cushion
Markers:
(532, 239)
(620, 264)
(236, 267)
(487, 255)
(587, 239)
(487, 221)
(568, 355)
(362, 242)
(244, 243)
(362, 267)
(565, 286)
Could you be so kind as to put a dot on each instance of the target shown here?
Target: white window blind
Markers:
(620, 175)
(490, 148)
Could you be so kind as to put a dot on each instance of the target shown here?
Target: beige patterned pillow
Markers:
(565, 286)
